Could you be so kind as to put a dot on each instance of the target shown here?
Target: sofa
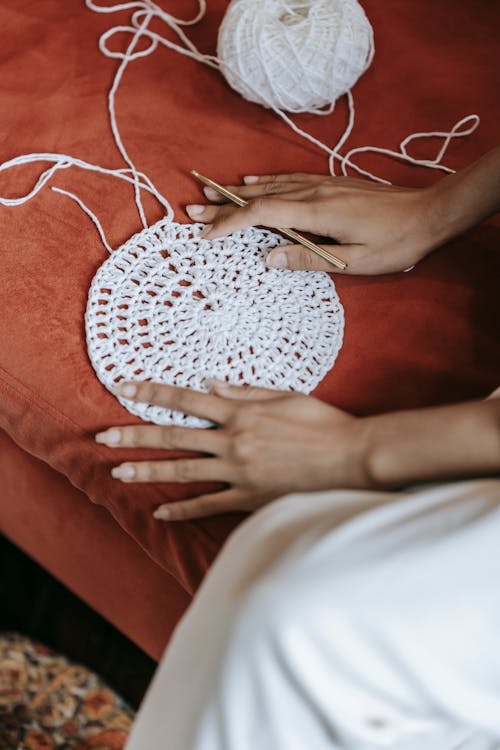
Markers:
(411, 340)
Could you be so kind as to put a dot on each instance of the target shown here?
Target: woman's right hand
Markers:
(379, 228)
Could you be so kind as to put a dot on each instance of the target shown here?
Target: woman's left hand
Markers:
(266, 444)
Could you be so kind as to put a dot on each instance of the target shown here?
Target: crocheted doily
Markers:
(172, 307)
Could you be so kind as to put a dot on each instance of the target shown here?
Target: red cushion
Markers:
(415, 339)
(80, 544)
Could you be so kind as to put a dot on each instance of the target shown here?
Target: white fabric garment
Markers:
(342, 619)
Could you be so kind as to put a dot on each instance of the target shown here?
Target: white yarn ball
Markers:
(294, 55)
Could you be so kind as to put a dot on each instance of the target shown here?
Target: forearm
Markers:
(464, 199)
(436, 443)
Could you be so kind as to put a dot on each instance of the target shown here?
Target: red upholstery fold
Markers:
(426, 337)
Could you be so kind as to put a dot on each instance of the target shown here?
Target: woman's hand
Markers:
(267, 443)
(270, 443)
(380, 228)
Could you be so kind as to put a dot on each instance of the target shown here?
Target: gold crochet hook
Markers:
(291, 233)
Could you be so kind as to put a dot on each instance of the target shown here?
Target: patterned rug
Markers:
(49, 703)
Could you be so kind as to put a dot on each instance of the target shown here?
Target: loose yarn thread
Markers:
(143, 12)
(349, 16)
(132, 264)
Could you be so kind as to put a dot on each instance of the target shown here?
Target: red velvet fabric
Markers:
(414, 339)
(80, 543)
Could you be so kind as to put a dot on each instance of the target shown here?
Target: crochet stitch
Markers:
(174, 308)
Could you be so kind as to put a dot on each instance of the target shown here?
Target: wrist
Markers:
(443, 214)
(431, 444)
(357, 462)
(463, 199)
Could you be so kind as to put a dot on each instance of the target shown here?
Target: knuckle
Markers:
(248, 391)
(204, 508)
(222, 213)
(326, 190)
(129, 437)
(170, 437)
(271, 187)
(244, 419)
(241, 449)
(151, 392)
(154, 472)
(180, 401)
(183, 470)
(180, 511)
(257, 206)
(306, 260)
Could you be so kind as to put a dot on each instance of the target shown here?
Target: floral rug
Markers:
(47, 702)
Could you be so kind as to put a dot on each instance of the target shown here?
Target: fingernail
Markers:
(250, 179)
(195, 210)
(161, 514)
(109, 437)
(210, 193)
(276, 260)
(206, 230)
(128, 390)
(125, 471)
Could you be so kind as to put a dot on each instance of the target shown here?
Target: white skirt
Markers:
(342, 619)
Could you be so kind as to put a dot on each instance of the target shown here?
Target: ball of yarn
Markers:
(294, 55)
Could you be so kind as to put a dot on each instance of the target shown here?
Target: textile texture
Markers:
(47, 702)
(416, 339)
(176, 309)
(347, 620)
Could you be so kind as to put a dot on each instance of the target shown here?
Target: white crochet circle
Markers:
(171, 307)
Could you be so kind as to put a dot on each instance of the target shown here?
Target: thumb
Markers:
(299, 258)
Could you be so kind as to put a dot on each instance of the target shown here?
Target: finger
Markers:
(199, 507)
(179, 470)
(299, 258)
(165, 438)
(185, 400)
(267, 188)
(361, 260)
(208, 213)
(244, 392)
(268, 212)
(292, 177)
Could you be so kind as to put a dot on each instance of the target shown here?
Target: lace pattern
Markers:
(172, 307)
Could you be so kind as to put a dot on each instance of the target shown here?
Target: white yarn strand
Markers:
(403, 155)
(304, 14)
(89, 213)
(63, 161)
(172, 307)
(242, 28)
(112, 115)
